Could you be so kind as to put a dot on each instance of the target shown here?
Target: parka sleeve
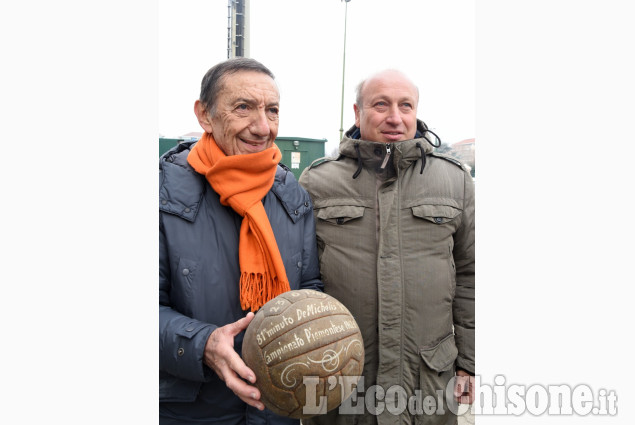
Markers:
(463, 305)
(181, 339)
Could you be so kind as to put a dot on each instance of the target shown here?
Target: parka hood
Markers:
(400, 154)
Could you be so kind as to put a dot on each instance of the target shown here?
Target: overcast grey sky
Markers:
(302, 42)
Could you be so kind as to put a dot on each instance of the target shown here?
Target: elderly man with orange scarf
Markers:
(236, 230)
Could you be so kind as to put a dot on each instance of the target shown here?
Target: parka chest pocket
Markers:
(436, 213)
(339, 214)
(441, 217)
(344, 227)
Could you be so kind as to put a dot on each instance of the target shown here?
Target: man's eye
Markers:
(273, 111)
(380, 106)
(242, 107)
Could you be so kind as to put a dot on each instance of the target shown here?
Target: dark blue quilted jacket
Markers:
(199, 274)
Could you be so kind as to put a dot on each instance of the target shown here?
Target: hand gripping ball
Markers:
(307, 353)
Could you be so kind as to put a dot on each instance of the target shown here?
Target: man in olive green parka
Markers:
(395, 230)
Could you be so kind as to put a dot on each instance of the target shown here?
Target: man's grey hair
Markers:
(213, 79)
(358, 93)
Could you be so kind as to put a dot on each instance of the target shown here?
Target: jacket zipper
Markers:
(385, 161)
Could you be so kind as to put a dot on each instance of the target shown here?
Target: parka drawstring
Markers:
(423, 154)
(359, 161)
(435, 135)
(423, 157)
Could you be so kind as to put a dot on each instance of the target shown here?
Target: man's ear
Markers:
(356, 109)
(203, 116)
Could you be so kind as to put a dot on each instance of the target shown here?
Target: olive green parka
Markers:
(395, 230)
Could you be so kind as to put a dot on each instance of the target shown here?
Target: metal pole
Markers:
(343, 72)
(229, 28)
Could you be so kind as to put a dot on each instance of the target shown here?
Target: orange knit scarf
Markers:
(242, 181)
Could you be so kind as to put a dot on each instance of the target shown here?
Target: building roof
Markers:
(197, 134)
(464, 142)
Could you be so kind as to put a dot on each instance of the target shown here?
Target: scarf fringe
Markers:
(258, 288)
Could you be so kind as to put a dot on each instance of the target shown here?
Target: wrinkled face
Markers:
(389, 109)
(246, 115)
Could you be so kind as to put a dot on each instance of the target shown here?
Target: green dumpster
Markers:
(166, 144)
(299, 152)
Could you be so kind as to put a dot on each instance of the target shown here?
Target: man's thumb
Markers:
(241, 324)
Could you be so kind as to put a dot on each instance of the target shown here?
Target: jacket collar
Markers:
(181, 189)
(373, 154)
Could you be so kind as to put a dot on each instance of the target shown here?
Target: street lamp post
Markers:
(343, 71)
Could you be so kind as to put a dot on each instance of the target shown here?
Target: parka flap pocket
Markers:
(438, 214)
(340, 214)
(440, 357)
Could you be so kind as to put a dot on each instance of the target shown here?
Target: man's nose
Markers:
(260, 124)
(394, 116)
